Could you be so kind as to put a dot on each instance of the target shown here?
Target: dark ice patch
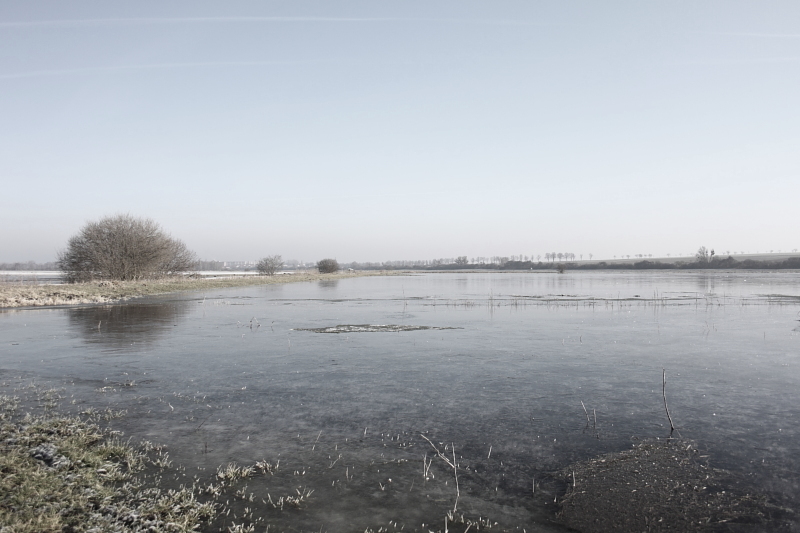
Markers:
(369, 328)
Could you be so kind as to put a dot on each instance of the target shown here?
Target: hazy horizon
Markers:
(377, 132)
(291, 262)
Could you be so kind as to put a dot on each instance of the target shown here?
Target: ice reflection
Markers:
(130, 326)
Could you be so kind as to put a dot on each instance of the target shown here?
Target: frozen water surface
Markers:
(230, 375)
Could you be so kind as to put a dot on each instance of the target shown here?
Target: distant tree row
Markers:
(552, 256)
(704, 258)
(210, 265)
(123, 247)
(29, 265)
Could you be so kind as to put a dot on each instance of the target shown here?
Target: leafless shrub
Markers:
(269, 265)
(123, 247)
(328, 266)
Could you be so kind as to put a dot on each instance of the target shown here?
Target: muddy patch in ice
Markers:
(369, 328)
(663, 486)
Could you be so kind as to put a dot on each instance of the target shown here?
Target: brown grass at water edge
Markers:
(19, 295)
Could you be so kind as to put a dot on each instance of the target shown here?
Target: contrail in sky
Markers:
(81, 70)
(747, 61)
(177, 20)
(174, 20)
(753, 34)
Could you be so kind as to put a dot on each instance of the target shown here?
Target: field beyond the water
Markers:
(35, 295)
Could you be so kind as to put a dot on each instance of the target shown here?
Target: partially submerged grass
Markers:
(68, 474)
(65, 474)
(22, 295)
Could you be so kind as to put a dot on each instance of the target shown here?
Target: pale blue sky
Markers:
(374, 131)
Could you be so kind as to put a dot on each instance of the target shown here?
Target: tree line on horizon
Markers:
(123, 247)
(703, 259)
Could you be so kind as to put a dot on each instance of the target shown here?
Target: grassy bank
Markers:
(26, 295)
(71, 474)
(63, 473)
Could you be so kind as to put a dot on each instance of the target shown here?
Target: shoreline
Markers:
(13, 296)
(70, 468)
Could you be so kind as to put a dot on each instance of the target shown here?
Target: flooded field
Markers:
(392, 403)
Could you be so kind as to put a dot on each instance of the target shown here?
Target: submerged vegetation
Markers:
(66, 473)
(371, 328)
(72, 473)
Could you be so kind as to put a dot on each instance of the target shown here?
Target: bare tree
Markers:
(327, 266)
(267, 266)
(123, 247)
(702, 255)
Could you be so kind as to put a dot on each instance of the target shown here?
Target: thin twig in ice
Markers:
(451, 464)
(664, 392)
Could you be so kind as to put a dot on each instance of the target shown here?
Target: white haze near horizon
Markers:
(374, 131)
